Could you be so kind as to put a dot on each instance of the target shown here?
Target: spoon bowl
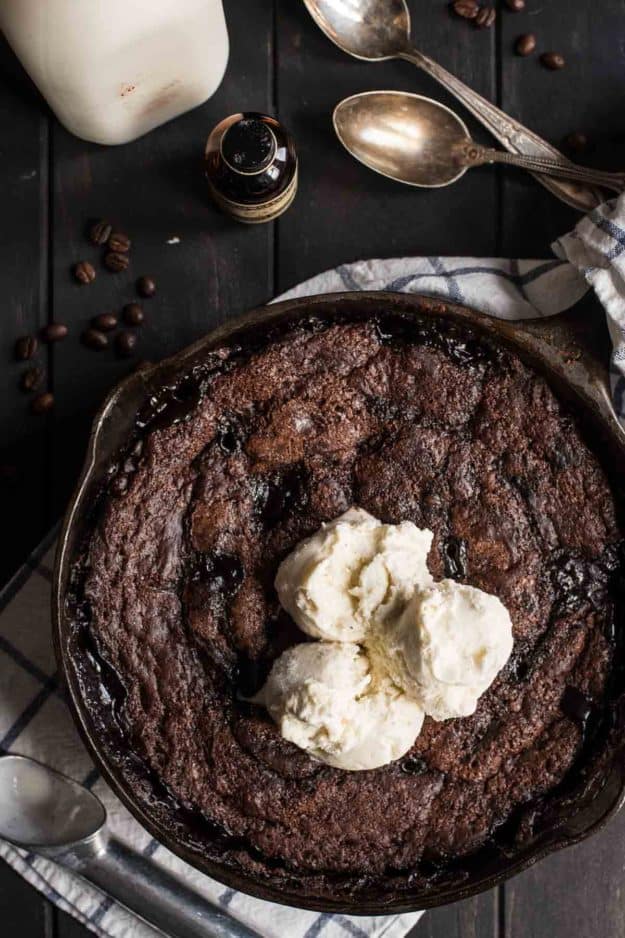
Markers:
(40, 809)
(357, 27)
(376, 30)
(420, 142)
(405, 137)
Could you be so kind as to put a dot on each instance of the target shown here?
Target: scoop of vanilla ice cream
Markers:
(352, 570)
(393, 721)
(325, 698)
(446, 648)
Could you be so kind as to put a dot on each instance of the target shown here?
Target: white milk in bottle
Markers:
(112, 70)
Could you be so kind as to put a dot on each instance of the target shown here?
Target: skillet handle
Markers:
(577, 346)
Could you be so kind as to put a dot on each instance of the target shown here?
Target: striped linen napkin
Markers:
(34, 719)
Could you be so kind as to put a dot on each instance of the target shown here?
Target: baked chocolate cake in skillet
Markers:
(177, 621)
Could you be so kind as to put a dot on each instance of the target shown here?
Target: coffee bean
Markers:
(99, 233)
(485, 17)
(84, 272)
(54, 332)
(467, 9)
(515, 6)
(142, 363)
(31, 379)
(125, 343)
(115, 261)
(105, 322)
(576, 141)
(42, 403)
(146, 287)
(25, 347)
(525, 44)
(133, 314)
(119, 242)
(94, 339)
(552, 60)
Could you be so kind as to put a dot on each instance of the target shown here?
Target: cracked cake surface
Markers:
(228, 475)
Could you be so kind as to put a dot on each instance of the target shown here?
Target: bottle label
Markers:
(256, 214)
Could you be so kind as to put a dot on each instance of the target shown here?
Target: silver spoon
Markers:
(420, 142)
(376, 30)
(47, 813)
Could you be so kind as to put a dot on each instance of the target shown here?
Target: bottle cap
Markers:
(248, 146)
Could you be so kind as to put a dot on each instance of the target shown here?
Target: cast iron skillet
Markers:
(559, 349)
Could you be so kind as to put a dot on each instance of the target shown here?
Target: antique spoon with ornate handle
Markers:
(420, 142)
(375, 30)
(44, 812)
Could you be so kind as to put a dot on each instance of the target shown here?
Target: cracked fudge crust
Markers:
(177, 620)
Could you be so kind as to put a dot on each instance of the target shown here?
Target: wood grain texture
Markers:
(474, 918)
(586, 95)
(23, 289)
(23, 912)
(577, 892)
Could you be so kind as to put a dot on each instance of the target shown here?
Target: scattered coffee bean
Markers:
(99, 233)
(515, 6)
(84, 272)
(552, 60)
(31, 379)
(119, 242)
(105, 322)
(115, 261)
(94, 339)
(42, 403)
(576, 141)
(485, 17)
(467, 9)
(133, 314)
(125, 343)
(525, 44)
(54, 332)
(25, 347)
(146, 287)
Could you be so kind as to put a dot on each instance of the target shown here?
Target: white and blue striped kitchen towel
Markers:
(34, 719)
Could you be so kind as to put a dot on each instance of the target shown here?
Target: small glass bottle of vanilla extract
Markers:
(251, 167)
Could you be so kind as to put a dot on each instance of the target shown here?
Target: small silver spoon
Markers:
(420, 142)
(376, 30)
(47, 813)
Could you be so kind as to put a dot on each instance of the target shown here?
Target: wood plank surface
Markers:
(24, 126)
(576, 892)
(23, 289)
(587, 95)
(23, 913)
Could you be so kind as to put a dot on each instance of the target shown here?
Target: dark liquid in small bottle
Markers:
(251, 167)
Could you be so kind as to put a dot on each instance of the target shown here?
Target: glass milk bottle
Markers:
(112, 70)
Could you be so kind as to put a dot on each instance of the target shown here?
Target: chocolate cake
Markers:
(176, 621)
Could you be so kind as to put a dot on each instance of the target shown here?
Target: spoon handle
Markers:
(476, 155)
(157, 897)
(511, 134)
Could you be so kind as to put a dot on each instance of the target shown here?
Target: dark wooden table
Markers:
(51, 183)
